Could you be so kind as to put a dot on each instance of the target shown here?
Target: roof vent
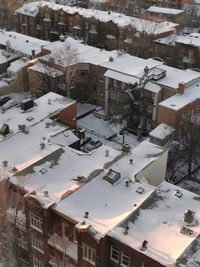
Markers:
(49, 101)
(42, 145)
(127, 183)
(186, 231)
(178, 194)
(86, 215)
(107, 153)
(14, 169)
(131, 161)
(46, 193)
(111, 59)
(126, 229)
(112, 176)
(144, 245)
(27, 41)
(140, 190)
(189, 216)
(5, 163)
(22, 127)
(4, 129)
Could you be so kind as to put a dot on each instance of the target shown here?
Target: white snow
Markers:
(163, 10)
(162, 131)
(107, 204)
(179, 101)
(121, 20)
(159, 221)
(21, 43)
(121, 77)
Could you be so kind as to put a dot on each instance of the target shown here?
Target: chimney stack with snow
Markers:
(181, 88)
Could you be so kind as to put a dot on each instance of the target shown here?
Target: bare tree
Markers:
(58, 71)
(3, 13)
(13, 232)
(184, 156)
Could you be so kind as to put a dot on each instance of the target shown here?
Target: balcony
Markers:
(64, 246)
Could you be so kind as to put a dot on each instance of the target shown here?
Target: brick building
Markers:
(98, 28)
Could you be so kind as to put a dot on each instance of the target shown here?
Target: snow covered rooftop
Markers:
(107, 211)
(192, 39)
(131, 65)
(64, 176)
(21, 43)
(44, 107)
(179, 101)
(160, 221)
(82, 53)
(162, 131)
(174, 76)
(150, 27)
(163, 10)
(18, 65)
(46, 70)
(121, 77)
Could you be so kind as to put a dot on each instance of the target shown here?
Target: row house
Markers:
(163, 3)
(105, 29)
(185, 50)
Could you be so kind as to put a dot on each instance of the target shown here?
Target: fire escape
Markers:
(138, 114)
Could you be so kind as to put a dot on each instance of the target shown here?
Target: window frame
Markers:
(37, 244)
(89, 254)
(37, 262)
(113, 259)
(122, 258)
(38, 222)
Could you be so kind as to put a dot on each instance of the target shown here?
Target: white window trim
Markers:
(117, 261)
(36, 218)
(35, 242)
(122, 259)
(38, 264)
(87, 259)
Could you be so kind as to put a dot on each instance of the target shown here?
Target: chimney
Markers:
(33, 53)
(181, 88)
(126, 148)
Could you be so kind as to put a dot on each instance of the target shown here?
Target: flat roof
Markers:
(21, 43)
(61, 179)
(44, 107)
(164, 10)
(179, 101)
(107, 211)
(161, 131)
(159, 220)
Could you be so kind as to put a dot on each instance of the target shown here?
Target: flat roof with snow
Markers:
(179, 101)
(106, 204)
(21, 43)
(62, 178)
(44, 107)
(164, 10)
(160, 221)
(161, 131)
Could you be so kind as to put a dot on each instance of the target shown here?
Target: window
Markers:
(114, 254)
(36, 222)
(37, 263)
(89, 253)
(65, 230)
(37, 244)
(125, 260)
(23, 249)
(150, 109)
